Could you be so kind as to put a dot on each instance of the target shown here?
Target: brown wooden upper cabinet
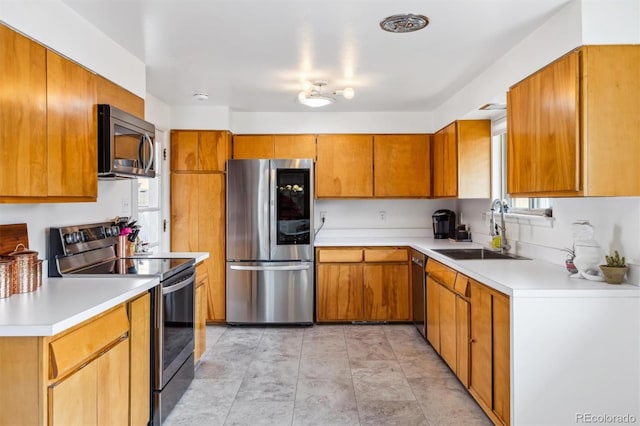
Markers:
(49, 151)
(200, 150)
(274, 146)
(113, 94)
(401, 165)
(344, 166)
(71, 130)
(574, 126)
(462, 160)
(23, 117)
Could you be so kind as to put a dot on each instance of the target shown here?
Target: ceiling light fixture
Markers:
(201, 96)
(313, 95)
(404, 23)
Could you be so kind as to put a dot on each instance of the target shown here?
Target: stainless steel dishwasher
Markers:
(419, 289)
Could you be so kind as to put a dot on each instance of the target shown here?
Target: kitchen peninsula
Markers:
(561, 330)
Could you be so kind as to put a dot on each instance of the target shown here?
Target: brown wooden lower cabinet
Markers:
(468, 325)
(490, 352)
(362, 284)
(202, 279)
(96, 373)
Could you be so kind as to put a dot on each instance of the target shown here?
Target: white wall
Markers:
(364, 214)
(200, 117)
(157, 112)
(616, 221)
(332, 122)
(114, 199)
(611, 21)
(57, 26)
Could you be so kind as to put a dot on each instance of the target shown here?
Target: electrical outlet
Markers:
(126, 206)
(382, 215)
(323, 216)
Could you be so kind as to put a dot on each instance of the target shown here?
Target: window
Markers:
(532, 206)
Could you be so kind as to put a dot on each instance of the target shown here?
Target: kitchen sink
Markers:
(477, 254)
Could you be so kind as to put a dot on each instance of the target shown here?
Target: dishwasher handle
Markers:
(270, 268)
(417, 261)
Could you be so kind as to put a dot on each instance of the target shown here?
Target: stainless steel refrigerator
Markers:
(269, 271)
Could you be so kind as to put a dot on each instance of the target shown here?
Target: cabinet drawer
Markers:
(441, 273)
(461, 285)
(77, 347)
(386, 255)
(346, 255)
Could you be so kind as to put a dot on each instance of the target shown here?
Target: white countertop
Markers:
(517, 278)
(62, 303)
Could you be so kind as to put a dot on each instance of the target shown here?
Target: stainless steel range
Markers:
(89, 251)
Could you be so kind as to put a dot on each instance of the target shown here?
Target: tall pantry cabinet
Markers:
(198, 160)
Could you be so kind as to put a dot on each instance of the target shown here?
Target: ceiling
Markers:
(254, 55)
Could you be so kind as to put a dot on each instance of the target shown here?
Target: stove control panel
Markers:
(81, 238)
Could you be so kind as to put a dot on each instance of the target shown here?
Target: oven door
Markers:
(174, 326)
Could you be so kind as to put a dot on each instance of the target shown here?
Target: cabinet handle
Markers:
(472, 340)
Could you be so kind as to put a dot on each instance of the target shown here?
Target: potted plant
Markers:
(615, 268)
(571, 254)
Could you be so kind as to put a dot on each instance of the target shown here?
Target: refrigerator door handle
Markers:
(270, 268)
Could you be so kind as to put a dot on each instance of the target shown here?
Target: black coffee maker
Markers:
(444, 224)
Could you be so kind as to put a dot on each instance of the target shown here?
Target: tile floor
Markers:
(323, 375)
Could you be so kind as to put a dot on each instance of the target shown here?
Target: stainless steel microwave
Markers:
(125, 145)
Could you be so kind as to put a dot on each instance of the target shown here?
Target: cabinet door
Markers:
(74, 400)
(339, 292)
(402, 166)
(113, 385)
(344, 167)
(211, 235)
(445, 162)
(184, 150)
(213, 150)
(71, 129)
(294, 146)
(474, 158)
(252, 146)
(110, 93)
(557, 153)
(501, 359)
(463, 324)
(433, 313)
(23, 116)
(184, 211)
(543, 139)
(481, 343)
(448, 327)
(202, 282)
(386, 292)
(140, 342)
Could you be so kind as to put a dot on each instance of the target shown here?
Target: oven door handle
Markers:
(178, 286)
(270, 268)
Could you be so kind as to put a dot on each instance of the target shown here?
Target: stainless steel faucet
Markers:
(494, 228)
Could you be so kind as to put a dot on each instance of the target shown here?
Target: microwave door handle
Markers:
(147, 138)
(140, 149)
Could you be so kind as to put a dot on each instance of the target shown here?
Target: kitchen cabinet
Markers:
(401, 165)
(490, 349)
(573, 126)
(48, 121)
(198, 224)
(200, 151)
(362, 284)
(112, 94)
(274, 146)
(344, 166)
(71, 130)
(202, 280)
(140, 376)
(462, 160)
(84, 375)
(449, 320)
(23, 116)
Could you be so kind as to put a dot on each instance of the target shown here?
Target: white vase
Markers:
(588, 252)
